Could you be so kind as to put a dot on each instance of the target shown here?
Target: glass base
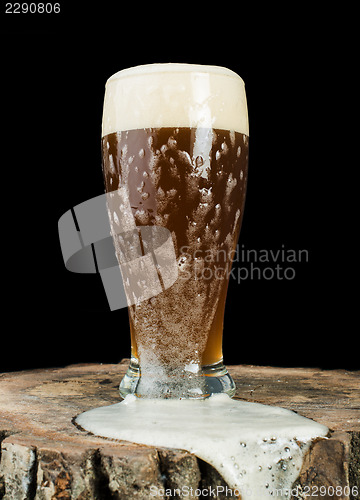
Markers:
(214, 379)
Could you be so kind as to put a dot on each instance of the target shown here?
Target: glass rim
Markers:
(158, 68)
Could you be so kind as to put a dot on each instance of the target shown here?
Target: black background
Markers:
(54, 71)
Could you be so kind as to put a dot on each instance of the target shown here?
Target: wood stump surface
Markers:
(44, 456)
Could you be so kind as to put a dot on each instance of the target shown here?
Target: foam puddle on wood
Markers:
(257, 449)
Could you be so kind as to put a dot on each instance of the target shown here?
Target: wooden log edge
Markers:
(45, 457)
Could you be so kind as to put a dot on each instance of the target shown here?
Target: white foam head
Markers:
(175, 95)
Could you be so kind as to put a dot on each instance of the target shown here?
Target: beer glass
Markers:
(175, 153)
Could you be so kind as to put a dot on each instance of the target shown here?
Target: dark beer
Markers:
(175, 150)
(203, 214)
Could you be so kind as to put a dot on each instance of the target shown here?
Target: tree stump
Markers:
(44, 456)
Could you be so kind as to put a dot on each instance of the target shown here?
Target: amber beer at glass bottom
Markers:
(175, 144)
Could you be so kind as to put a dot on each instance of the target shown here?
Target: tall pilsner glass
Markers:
(175, 147)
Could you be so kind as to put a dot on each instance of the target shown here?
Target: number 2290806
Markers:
(329, 491)
(32, 8)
